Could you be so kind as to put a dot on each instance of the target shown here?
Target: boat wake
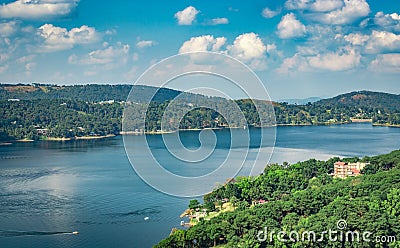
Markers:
(12, 233)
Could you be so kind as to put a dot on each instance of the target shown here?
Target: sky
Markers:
(298, 48)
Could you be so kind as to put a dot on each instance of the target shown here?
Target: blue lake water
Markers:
(50, 189)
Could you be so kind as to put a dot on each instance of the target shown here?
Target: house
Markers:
(42, 131)
(344, 169)
(257, 202)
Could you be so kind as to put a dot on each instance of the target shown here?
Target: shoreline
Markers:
(78, 138)
(385, 125)
(353, 121)
(95, 137)
(25, 140)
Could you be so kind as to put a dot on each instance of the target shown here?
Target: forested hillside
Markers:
(86, 93)
(81, 110)
(301, 197)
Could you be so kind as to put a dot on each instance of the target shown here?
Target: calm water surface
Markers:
(49, 189)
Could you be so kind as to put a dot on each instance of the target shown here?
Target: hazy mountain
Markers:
(299, 101)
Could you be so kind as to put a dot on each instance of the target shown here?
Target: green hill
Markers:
(362, 99)
(86, 93)
(287, 203)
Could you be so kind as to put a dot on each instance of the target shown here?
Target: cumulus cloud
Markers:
(297, 4)
(57, 38)
(314, 5)
(186, 16)
(112, 54)
(390, 22)
(293, 64)
(145, 43)
(218, 21)
(338, 61)
(326, 5)
(37, 9)
(203, 43)
(350, 12)
(289, 27)
(386, 63)
(268, 13)
(356, 39)
(250, 49)
(345, 59)
(383, 41)
(247, 47)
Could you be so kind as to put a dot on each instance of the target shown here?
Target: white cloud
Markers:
(314, 5)
(386, 63)
(297, 4)
(203, 43)
(37, 9)
(268, 13)
(390, 22)
(8, 28)
(338, 61)
(218, 21)
(383, 41)
(326, 5)
(247, 47)
(112, 54)
(145, 43)
(250, 49)
(345, 59)
(350, 12)
(356, 39)
(289, 27)
(186, 16)
(57, 38)
(292, 64)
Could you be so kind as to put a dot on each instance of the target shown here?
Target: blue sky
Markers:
(299, 48)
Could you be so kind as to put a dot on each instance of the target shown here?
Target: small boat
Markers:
(75, 232)
(146, 218)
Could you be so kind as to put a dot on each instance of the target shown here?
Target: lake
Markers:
(50, 189)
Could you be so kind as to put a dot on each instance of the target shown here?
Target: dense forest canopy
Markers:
(300, 197)
(86, 93)
(81, 110)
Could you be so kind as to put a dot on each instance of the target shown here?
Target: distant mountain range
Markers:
(299, 101)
